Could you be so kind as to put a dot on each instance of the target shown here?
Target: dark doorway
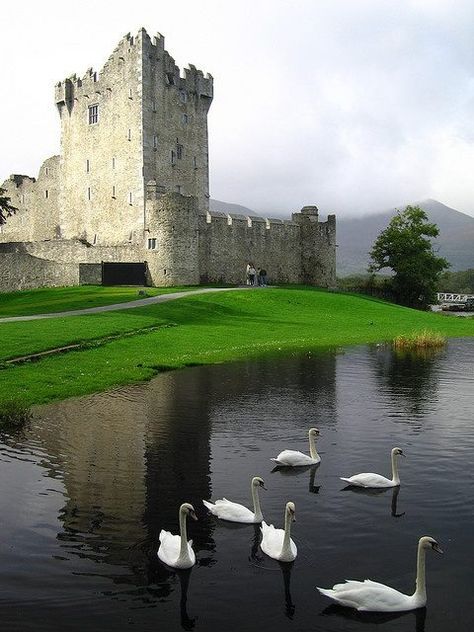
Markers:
(123, 273)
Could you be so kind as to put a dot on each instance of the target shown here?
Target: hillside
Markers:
(355, 237)
(227, 207)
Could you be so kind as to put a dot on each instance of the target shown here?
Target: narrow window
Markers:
(178, 188)
(173, 157)
(88, 193)
(153, 105)
(46, 194)
(113, 163)
(195, 162)
(185, 119)
(183, 97)
(152, 243)
(113, 191)
(93, 114)
(155, 142)
(130, 198)
(179, 152)
(46, 171)
(129, 136)
(88, 166)
(130, 93)
(170, 78)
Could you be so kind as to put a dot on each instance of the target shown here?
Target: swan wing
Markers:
(272, 539)
(368, 596)
(368, 479)
(293, 458)
(168, 550)
(227, 510)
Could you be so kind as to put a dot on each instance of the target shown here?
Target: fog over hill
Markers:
(355, 235)
(227, 207)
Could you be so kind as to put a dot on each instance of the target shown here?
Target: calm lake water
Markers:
(85, 491)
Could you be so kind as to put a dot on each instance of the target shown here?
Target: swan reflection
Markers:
(186, 622)
(366, 491)
(297, 471)
(376, 618)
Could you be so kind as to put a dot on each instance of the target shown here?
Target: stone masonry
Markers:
(132, 185)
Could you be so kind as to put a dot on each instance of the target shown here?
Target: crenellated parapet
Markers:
(94, 84)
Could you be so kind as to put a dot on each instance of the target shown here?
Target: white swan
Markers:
(371, 596)
(277, 543)
(175, 550)
(293, 458)
(227, 510)
(367, 479)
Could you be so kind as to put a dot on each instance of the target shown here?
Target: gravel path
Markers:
(162, 298)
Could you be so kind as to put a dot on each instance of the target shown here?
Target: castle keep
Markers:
(131, 186)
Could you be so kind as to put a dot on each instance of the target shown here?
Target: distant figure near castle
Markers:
(127, 201)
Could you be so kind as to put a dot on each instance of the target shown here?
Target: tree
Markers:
(6, 209)
(406, 248)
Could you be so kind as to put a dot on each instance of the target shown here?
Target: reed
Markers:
(419, 340)
(13, 414)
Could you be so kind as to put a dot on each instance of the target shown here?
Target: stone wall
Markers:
(75, 251)
(37, 201)
(172, 226)
(290, 251)
(21, 271)
(227, 243)
(175, 138)
(101, 197)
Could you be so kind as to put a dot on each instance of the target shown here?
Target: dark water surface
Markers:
(86, 489)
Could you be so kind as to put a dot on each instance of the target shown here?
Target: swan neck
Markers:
(395, 476)
(286, 549)
(420, 591)
(256, 504)
(312, 447)
(183, 551)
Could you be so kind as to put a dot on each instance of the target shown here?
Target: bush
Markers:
(13, 414)
(419, 340)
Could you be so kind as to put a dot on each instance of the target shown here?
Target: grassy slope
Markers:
(48, 300)
(209, 328)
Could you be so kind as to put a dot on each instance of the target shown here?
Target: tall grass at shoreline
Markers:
(419, 340)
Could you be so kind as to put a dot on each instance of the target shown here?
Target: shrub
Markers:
(419, 340)
(13, 414)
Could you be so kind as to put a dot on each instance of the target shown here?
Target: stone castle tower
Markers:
(136, 121)
(131, 186)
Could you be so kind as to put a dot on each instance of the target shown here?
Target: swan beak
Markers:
(262, 485)
(193, 515)
(437, 548)
(402, 454)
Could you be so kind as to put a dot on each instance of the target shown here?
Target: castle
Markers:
(128, 198)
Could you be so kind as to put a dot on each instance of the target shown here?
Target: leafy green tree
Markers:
(405, 247)
(6, 209)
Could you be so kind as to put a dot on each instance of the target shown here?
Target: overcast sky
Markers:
(353, 105)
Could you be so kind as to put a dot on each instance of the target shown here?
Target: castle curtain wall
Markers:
(227, 244)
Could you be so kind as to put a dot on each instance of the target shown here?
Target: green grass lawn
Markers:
(61, 299)
(207, 328)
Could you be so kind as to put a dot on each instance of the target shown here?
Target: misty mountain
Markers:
(227, 207)
(356, 235)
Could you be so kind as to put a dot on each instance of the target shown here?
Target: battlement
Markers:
(250, 221)
(133, 49)
(19, 179)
